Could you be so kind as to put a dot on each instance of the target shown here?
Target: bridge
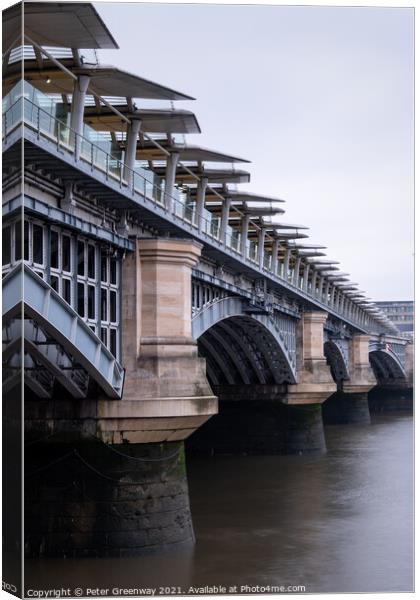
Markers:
(159, 303)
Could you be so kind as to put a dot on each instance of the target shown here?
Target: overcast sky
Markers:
(319, 98)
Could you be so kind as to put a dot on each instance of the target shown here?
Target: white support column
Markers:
(337, 300)
(296, 271)
(201, 201)
(285, 267)
(225, 219)
(321, 285)
(332, 293)
(274, 256)
(244, 234)
(131, 147)
(327, 291)
(261, 241)
(313, 282)
(77, 111)
(305, 278)
(171, 165)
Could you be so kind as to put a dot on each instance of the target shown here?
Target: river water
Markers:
(341, 522)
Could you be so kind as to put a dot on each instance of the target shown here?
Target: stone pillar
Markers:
(171, 165)
(131, 148)
(350, 404)
(160, 354)
(314, 385)
(77, 111)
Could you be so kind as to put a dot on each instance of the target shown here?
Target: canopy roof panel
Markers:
(239, 196)
(300, 246)
(60, 24)
(213, 175)
(281, 226)
(148, 151)
(105, 81)
(153, 121)
(111, 81)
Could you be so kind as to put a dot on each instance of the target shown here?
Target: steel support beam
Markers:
(133, 131)
(171, 165)
(77, 111)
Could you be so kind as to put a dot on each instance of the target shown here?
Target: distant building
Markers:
(401, 313)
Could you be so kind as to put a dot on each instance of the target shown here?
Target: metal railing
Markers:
(82, 149)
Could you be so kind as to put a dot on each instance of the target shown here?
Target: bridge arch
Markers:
(336, 353)
(385, 363)
(242, 347)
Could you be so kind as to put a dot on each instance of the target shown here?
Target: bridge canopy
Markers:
(64, 24)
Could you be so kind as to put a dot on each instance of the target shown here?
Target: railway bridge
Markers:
(149, 302)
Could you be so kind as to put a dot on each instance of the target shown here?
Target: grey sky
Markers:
(319, 98)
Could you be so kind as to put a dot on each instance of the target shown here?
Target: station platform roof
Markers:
(213, 175)
(105, 81)
(68, 24)
(168, 121)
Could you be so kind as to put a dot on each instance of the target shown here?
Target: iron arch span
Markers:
(242, 347)
(386, 366)
(337, 360)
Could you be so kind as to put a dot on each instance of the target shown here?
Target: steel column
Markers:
(201, 201)
(131, 147)
(171, 165)
(77, 110)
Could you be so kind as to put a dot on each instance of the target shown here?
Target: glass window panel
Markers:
(18, 240)
(54, 250)
(91, 261)
(104, 305)
(38, 244)
(104, 270)
(67, 290)
(25, 240)
(113, 341)
(66, 253)
(113, 270)
(104, 335)
(80, 258)
(112, 306)
(6, 245)
(55, 283)
(81, 299)
(91, 302)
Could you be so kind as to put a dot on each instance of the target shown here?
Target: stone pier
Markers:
(315, 385)
(274, 419)
(107, 478)
(350, 403)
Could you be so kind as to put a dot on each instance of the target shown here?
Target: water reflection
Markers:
(341, 522)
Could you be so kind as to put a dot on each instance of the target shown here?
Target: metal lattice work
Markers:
(57, 342)
(387, 360)
(337, 354)
(243, 346)
(204, 294)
